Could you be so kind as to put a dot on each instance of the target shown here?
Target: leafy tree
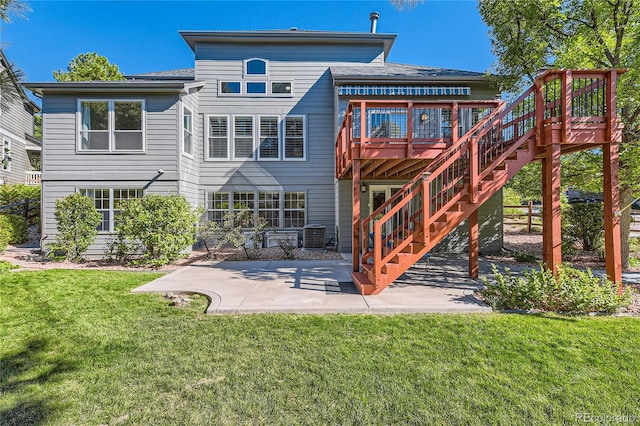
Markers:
(77, 220)
(89, 67)
(37, 126)
(17, 8)
(10, 78)
(530, 35)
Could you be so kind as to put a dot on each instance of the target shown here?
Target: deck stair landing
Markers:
(564, 108)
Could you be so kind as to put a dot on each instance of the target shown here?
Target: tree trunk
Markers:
(626, 195)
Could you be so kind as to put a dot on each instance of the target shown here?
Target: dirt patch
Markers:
(31, 259)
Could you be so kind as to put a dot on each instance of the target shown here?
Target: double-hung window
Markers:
(111, 125)
(294, 209)
(107, 202)
(218, 143)
(269, 140)
(243, 137)
(187, 131)
(294, 138)
(269, 207)
(217, 206)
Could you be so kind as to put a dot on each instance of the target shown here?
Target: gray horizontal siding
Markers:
(19, 161)
(317, 169)
(61, 162)
(52, 191)
(190, 166)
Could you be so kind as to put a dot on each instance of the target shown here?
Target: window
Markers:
(187, 126)
(6, 155)
(243, 201)
(230, 87)
(217, 206)
(255, 67)
(269, 208)
(107, 202)
(294, 209)
(269, 140)
(294, 138)
(256, 88)
(281, 88)
(218, 137)
(243, 137)
(111, 126)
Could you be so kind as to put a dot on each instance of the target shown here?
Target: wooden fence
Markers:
(29, 208)
(529, 212)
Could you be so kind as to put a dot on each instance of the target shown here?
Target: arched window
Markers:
(255, 67)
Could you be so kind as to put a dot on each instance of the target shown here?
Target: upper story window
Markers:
(255, 81)
(255, 67)
(111, 125)
(187, 127)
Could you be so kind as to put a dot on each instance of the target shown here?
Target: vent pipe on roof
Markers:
(374, 16)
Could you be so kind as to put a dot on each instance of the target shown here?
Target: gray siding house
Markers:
(17, 142)
(252, 126)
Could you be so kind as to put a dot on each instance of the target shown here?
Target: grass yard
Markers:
(77, 348)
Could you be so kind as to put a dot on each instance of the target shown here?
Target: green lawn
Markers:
(77, 348)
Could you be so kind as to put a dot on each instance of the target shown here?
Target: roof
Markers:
(113, 86)
(25, 99)
(293, 35)
(392, 71)
(179, 74)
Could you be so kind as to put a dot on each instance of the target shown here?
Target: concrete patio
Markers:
(439, 286)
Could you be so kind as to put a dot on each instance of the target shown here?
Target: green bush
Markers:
(5, 236)
(14, 193)
(17, 226)
(77, 220)
(571, 291)
(583, 223)
(5, 266)
(511, 198)
(153, 230)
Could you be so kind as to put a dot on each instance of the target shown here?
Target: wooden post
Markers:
(363, 127)
(454, 123)
(566, 104)
(552, 229)
(529, 215)
(473, 170)
(410, 130)
(612, 248)
(539, 101)
(473, 244)
(355, 227)
(26, 208)
(426, 208)
(611, 105)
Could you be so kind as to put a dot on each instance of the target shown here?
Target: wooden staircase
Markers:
(563, 107)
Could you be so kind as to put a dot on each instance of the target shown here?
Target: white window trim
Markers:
(193, 140)
(281, 95)
(6, 144)
(304, 138)
(279, 118)
(256, 205)
(111, 123)
(253, 138)
(221, 94)
(111, 210)
(206, 133)
(306, 216)
(248, 76)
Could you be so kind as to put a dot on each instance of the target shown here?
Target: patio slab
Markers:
(317, 287)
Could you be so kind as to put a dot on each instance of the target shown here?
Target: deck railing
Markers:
(33, 177)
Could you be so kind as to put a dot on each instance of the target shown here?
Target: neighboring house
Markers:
(18, 144)
(252, 126)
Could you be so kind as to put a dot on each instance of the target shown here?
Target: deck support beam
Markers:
(551, 217)
(611, 195)
(355, 243)
(473, 244)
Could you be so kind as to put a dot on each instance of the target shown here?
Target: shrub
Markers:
(583, 223)
(154, 230)
(252, 242)
(571, 291)
(523, 256)
(511, 198)
(14, 193)
(77, 220)
(5, 236)
(17, 226)
(287, 247)
(5, 266)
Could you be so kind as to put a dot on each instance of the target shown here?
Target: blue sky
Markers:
(142, 36)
